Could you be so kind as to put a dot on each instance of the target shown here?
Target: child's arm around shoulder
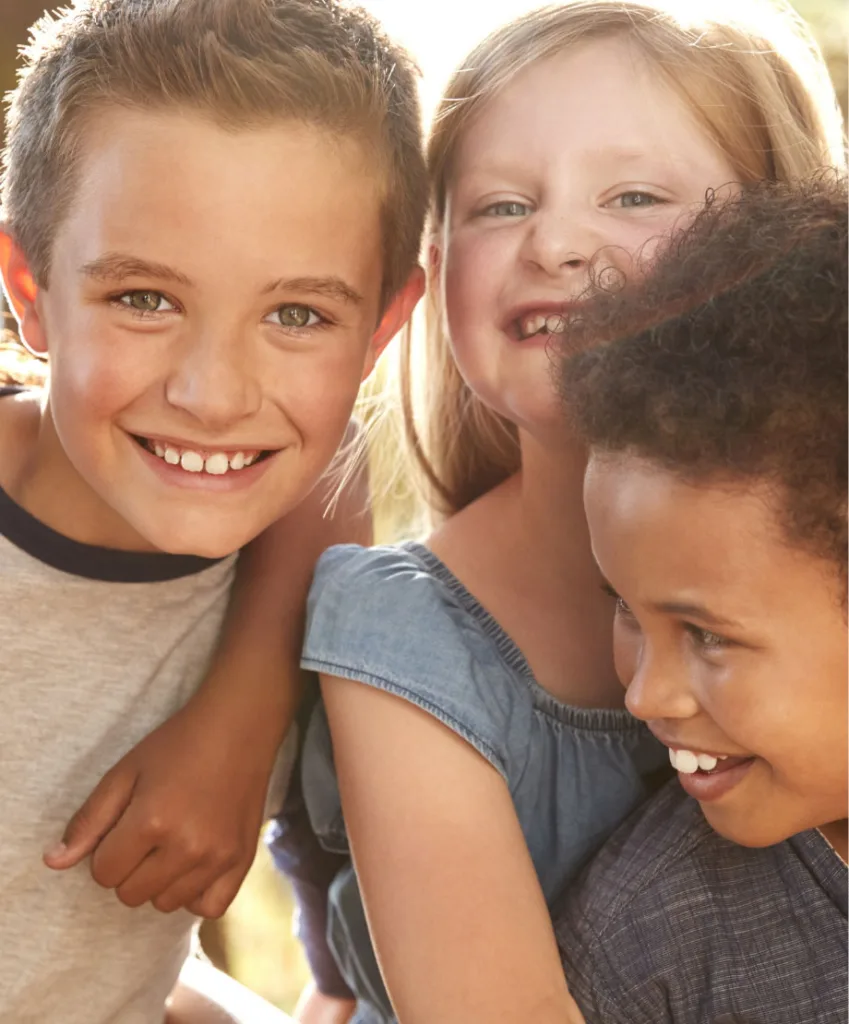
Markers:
(458, 918)
(176, 821)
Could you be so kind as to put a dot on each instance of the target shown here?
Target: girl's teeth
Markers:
(160, 451)
(536, 322)
(687, 761)
(172, 457)
(237, 461)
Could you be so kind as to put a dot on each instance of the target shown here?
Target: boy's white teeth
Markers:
(216, 464)
(689, 761)
(534, 323)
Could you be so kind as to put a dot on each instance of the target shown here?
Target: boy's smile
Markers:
(210, 314)
(732, 644)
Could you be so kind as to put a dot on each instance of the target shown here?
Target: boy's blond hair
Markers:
(758, 87)
(242, 63)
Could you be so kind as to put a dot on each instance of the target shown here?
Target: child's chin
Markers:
(745, 832)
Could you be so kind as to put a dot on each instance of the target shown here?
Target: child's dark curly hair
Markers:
(728, 361)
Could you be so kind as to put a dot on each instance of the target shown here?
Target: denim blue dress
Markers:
(396, 618)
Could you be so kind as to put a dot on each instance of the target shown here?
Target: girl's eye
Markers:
(622, 608)
(508, 208)
(145, 302)
(705, 638)
(635, 200)
(293, 314)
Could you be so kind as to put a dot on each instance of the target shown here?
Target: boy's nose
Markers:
(214, 381)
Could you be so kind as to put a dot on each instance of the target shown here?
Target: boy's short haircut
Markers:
(729, 361)
(242, 63)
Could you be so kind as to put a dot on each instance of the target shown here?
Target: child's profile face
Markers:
(209, 318)
(732, 645)
(585, 153)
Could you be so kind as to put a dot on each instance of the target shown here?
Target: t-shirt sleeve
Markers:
(380, 617)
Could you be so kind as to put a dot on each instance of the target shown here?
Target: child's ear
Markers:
(22, 293)
(398, 312)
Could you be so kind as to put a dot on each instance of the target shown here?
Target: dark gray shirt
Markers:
(671, 922)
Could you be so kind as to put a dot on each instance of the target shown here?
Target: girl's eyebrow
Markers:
(692, 610)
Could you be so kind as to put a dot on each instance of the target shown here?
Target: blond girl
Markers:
(478, 735)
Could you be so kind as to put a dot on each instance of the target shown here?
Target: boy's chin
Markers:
(206, 543)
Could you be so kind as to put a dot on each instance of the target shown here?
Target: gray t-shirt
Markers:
(673, 924)
(99, 647)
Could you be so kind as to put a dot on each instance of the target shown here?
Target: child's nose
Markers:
(659, 690)
(550, 246)
(214, 380)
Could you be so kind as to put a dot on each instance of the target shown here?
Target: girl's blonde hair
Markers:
(757, 85)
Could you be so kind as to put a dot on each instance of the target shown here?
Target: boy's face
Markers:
(732, 645)
(212, 308)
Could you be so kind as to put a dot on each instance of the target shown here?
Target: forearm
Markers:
(262, 635)
(205, 995)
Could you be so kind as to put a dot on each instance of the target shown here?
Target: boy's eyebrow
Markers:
(115, 266)
(329, 287)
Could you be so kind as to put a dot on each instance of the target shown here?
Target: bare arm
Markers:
(176, 821)
(205, 995)
(460, 924)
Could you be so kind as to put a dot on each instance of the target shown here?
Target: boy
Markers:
(716, 498)
(212, 214)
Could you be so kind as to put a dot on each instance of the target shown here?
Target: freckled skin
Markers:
(771, 683)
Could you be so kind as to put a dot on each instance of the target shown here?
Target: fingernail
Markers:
(57, 850)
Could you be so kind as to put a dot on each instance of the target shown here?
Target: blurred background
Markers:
(254, 941)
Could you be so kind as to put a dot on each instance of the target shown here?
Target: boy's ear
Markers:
(398, 312)
(22, 292)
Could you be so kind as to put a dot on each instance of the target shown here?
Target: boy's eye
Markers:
(295, 315)
(145, 302)
(508, 208)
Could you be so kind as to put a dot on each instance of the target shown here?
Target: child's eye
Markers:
(145, 302)
(705, 638)
(507, 208)
(293, 314)
(622, 607)
(635, 200)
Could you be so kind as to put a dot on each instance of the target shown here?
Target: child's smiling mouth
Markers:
(706, 776)
(214, 462)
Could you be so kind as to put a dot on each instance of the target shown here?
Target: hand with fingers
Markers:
(176, 822)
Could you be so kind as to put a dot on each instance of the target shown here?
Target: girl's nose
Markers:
(659, 691)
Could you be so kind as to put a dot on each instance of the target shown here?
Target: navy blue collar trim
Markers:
(29, 534)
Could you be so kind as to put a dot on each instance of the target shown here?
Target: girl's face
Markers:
(732, 644)
(583, 155)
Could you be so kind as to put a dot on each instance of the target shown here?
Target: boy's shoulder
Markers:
(673, 922)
